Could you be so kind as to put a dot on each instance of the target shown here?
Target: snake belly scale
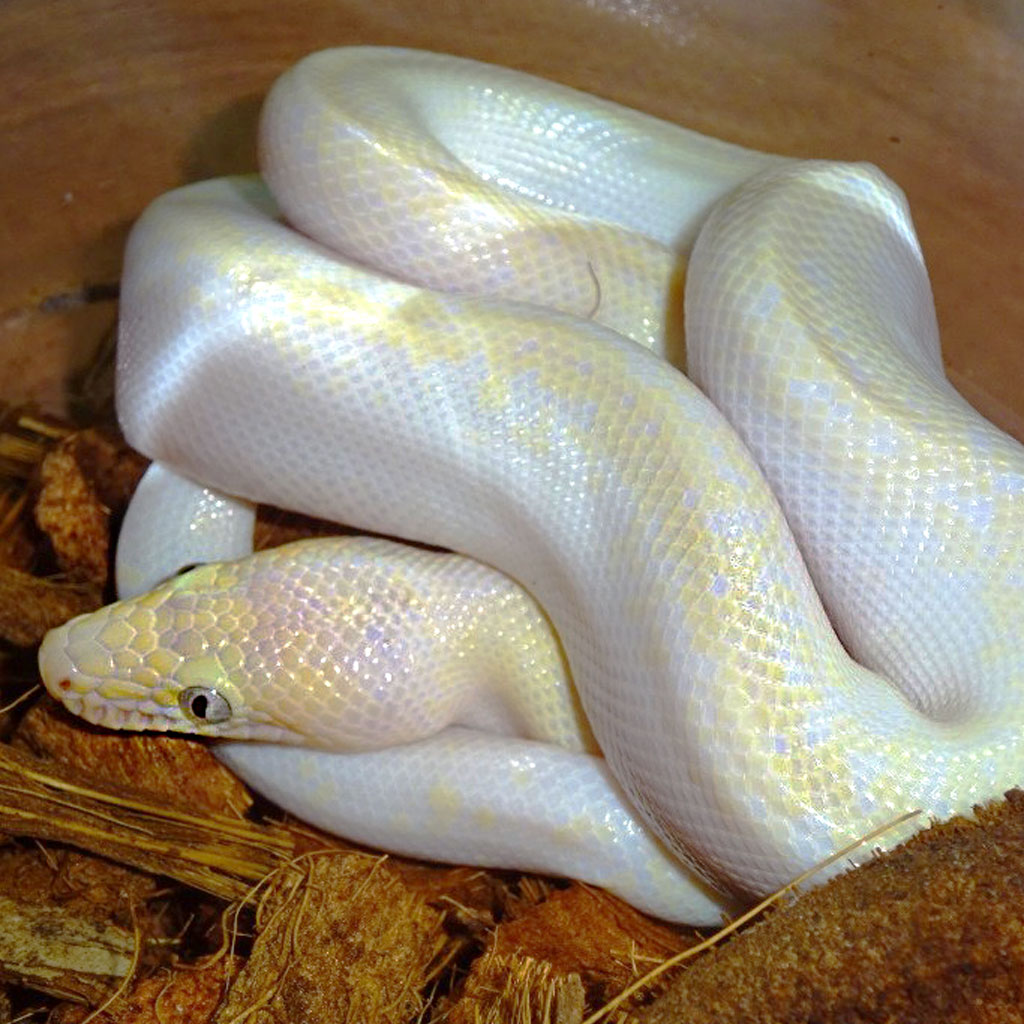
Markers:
(402, 335)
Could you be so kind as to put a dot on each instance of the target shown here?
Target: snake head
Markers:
(170, 660)
(307, 644)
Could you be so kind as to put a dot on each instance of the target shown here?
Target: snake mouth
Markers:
(97, 711)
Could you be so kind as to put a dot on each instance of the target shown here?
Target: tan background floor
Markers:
(106, 104)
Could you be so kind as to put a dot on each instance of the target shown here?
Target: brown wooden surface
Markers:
(106, 104)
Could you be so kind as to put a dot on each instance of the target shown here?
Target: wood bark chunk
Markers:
(219, 855)
(472, 897)
(182, 772)
(514, 989)
(79, 882)
(55, 950)
(29, 606)
(932, 932)
(340, 939)
(71, 514)
(85, 480)
(589, 932)
(187, 995)
(111, 469)
(86, 895)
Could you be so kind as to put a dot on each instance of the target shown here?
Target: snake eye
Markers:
(204, 705)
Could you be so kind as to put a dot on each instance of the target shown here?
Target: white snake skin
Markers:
(511, 415)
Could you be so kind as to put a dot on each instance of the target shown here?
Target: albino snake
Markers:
(448, 342)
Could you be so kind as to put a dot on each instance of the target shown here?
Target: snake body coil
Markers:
(495, 385)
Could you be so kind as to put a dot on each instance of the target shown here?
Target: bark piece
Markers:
(53, 949)
(64, 912)
(341, 940)
(111, 469)
(29, 606)
(180, 771)
(591, 933)
(214, 853)
(85, 481)
(187, 995)
(79, 882)
(71, 514)
(472, 897)
(933, 931)
(514, 989)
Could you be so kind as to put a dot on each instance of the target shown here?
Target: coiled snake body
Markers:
(458, 338)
